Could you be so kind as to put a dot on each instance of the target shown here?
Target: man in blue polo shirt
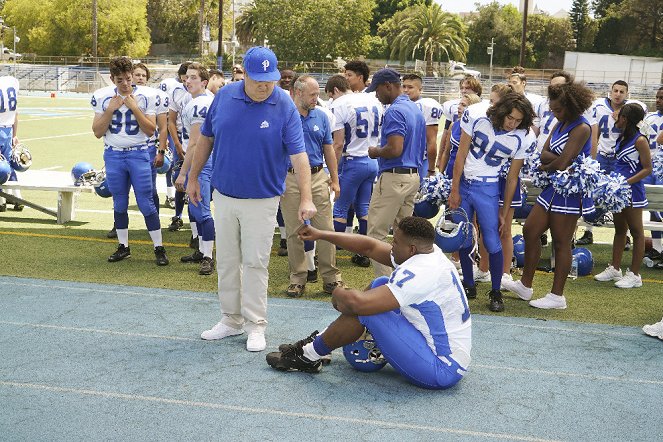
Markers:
(317, 136)
(401, 156)
(251, 130)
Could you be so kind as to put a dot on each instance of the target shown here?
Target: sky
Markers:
(550, 6)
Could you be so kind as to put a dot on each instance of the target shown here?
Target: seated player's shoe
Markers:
(586, 239)
(196, 256)
(470, 292)
(328, 287)
(360, 260)
(206, 266)
(292, 359)
(295, 290)
(176, 224)
(517, 287)
(121, 253)
(627, 246)
(194, 243)
(651, 257)
(655, 330)
(18, 207)
(220, 331)
(550, 301)
(609, 274)
(629, 281)
(496, 302)
(3, 207)
(326, 359)
(283, 248)
(544, 240)
(312, 276)
(160, 254)
(112, 233)
(481, 276)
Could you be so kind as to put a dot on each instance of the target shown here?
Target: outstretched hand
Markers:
(308, 233)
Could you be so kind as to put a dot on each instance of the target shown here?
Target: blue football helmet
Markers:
(585, 260)
(426, 209)
(81, 173)
(167, 162)
(451, 236)
(519, 250)
(21, 158)
(364, 355)
(101, 186)
(5, 170)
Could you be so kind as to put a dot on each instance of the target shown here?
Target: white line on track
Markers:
(269, 411)
(51, 168)
(57, 136)
(554, 328)
(55, 117)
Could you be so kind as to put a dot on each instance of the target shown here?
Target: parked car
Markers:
(8, 55)
(459, 70)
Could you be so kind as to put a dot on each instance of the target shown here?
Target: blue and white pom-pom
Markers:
(657, 163)
(504, 170)
(580, 177)
(538, 177)
(612, 192)
(435, 188)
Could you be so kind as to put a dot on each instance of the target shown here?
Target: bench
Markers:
(47, 181)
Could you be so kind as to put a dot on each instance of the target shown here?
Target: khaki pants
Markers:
(321, 221)
(391, 201)
(244, 234)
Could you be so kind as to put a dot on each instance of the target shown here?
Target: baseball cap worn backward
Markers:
(385, 75)
(260, 64)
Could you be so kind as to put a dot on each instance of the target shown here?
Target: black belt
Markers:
(314, 169)
(401, 170)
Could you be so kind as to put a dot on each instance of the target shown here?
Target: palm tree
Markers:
(246, 26)
(432, 32)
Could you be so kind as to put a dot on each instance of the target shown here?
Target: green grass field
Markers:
(58, 132)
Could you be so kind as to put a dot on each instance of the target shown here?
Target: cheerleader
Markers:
(570, 137)
(633, 162)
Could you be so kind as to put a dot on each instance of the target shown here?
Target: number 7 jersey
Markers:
(123, 130)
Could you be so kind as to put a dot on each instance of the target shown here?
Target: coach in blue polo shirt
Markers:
(251, 130)
(401, 156)
(318, 138)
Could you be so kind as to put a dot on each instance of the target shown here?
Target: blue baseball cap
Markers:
(260, 64)
(385, 75)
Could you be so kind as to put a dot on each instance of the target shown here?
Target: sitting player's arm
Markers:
(577, 139)
(370, 302)
(361, 244)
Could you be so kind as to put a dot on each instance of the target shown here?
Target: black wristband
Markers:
(161, 151)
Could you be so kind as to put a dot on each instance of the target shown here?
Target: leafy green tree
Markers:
(504, 24)
(601, 7)
(580, 19)
(64, 27)
(297, 32)
(647, 15)
(432, 33)
(546, 41)
(386, 9)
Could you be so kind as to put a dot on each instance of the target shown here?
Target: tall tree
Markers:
(504, 24)
(601, 7)
(579, 17)
(433, 33)
(386, 9)
(648, 18)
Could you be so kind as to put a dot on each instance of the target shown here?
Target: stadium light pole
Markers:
(522, 38)
(219, 49)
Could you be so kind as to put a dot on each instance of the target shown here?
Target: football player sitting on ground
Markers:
(419, 319)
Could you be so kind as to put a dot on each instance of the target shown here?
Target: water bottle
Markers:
(574, 268)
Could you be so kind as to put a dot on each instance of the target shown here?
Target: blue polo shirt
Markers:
(252, 141)
(316, 133)
(404, 118)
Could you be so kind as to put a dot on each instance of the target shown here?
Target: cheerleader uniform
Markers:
(454, 142)
(575, 203)
(628, 164)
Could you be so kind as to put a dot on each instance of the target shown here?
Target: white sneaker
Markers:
(655, 330)
(256, 341)
(456, 264)
(508, 278)
(517, 287)
(629, 281)
(550, 301)
(609, 274)
(481, 276)
(220, 331)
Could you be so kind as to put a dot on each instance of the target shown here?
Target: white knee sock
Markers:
(310, 260)
(156, 237)
(194, 230)
(170, 192)
(206, 248)
(123, 236)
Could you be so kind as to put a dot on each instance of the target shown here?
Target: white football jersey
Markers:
(450, 110)
(361, 116)
(432, 299)
(547, 122)
(330, 115)
(123, 130)
(178, 101)
(655, 121)
(8, 100)
(602, 116)
(161, 102)
(431, 109)
(168, 85)
(491, 148)
(194, 113)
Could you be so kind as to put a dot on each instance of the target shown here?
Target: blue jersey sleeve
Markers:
(394, 124)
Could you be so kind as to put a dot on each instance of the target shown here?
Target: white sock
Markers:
(348, 229)
(310, 353)
(656, 244)
(170, 192)
(194, 229)
(123, 236)
(310, 260)
(16, 192)
(2, 200)
(156, 237)
(206, 248)
(282, 232)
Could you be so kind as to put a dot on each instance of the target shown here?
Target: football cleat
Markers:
(160, 254)
(121, 253)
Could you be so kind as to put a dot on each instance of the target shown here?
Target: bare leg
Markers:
(634, 220)
(537, 222)
(619, 239)
(562, 228)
